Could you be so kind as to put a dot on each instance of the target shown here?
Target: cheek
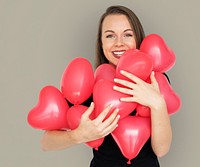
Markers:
(132, 44)
(107, 54)
(106, 48)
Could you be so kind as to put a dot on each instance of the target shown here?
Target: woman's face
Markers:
(117, 37)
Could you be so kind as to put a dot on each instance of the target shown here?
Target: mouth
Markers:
(118, 54)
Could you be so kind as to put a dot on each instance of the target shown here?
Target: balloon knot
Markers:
(129, 161)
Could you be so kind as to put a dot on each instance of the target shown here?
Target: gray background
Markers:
(38, 38)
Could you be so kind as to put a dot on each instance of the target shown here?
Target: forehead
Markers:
(115, 21)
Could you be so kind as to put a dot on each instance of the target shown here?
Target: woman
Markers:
(119, 30)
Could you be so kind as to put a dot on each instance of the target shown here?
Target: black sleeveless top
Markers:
(109, 155)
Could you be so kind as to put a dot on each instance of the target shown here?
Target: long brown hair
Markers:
(134, 22)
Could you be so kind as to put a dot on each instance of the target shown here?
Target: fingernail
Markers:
(91, 104)
(122, 71)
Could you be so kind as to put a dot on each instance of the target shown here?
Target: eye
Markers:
(128, 35)
(110, 36)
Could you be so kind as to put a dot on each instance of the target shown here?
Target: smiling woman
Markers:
(39, 38)
(119, 30)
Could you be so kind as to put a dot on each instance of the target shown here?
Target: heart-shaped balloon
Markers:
(104, 95)
(135, 62)
(172, 99)
(50, 111)
(74, 115)
(131, 135)
(143, 111)
(77, 81)
(105, 71)
(162, 56)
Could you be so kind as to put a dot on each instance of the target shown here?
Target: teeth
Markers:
(118, 53)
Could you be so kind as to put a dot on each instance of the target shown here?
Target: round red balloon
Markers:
(77, 81)
(50, 112)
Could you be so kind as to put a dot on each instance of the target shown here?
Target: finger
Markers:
(130, 76)
(153, 79)
(103, 114)
(123, 90)
(131, 99)
(87, 113)
(124, 83)
(128, 99)
(110, 129)
(111, 118)
(111, 126)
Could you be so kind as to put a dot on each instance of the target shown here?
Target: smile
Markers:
(118, 54)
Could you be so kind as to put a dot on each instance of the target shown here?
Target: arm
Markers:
(87, 130)
(161, 129)
(149, 95)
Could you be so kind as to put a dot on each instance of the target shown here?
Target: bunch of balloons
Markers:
(79, 82)
(52, 112)
(133, 131)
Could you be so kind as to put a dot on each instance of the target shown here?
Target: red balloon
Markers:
(74, 115)
(104, 95)
(77, 81)
(172, 99)
(143, 111)
(162, 56)
(50, 112)
(131, 135)
(105, 71)
(135, 62)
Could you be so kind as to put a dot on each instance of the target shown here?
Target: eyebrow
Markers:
(113, 31)
(128, 30)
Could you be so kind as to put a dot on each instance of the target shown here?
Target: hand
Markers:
(140, 91)
(89, 130)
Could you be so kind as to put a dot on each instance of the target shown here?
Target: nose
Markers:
(119, 41)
